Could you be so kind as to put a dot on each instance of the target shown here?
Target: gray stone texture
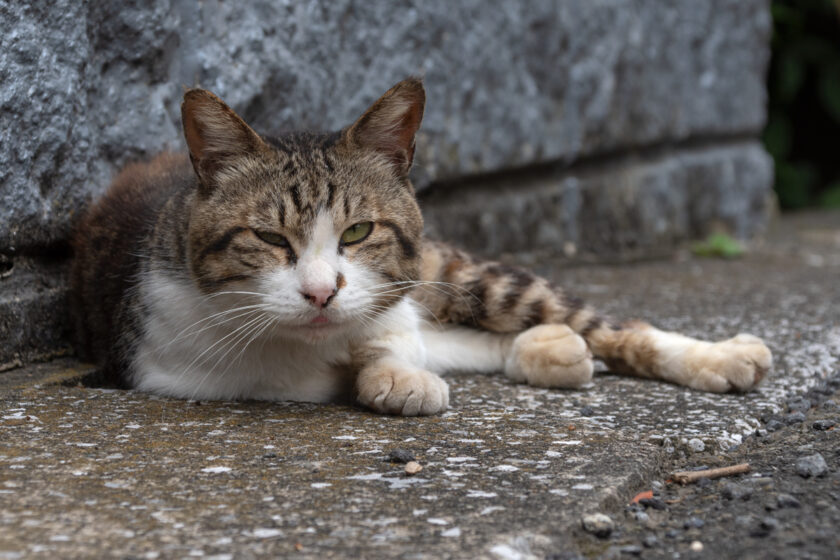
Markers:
(630, 208)
(88, 86)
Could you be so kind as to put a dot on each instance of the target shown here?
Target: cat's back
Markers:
(109, 245)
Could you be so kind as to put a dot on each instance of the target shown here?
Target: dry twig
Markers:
(686, 477)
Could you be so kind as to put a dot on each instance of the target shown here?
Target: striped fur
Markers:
(222, 274)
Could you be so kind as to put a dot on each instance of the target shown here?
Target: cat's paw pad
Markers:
(739, 364)
(396, 388)
(550, 356)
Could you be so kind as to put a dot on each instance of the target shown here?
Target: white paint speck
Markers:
(453, 532)
(437, 521)
(265, 533)
(582, 486)
(345, 437)
(504, 468)
(481, 494)
(320, 484)
(490, 509)
(460, 459)
(215, 469)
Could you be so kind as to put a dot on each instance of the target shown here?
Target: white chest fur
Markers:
(192, 347)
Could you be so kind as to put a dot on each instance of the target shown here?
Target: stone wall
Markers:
(607, 125)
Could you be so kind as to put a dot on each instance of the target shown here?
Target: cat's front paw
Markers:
(396, 388)
(735, 364)
(550, 356)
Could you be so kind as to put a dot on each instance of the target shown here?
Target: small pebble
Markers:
(696, 445)
(733, 491)
(399, 456)
(641, 516)
(696, 546)
(830, 404)
(654, 503)
(744, 520)
(650, 541)
(672, 533)
(656, 486)
(800, 404)
(413, 467)
(598, 524)
(812, 465)
(632, 549)
(766, 526)
(703, 482)
(822, 425)
(787, 501)
(693, 523)
(795, 418)
(587, 411)
(774, 425)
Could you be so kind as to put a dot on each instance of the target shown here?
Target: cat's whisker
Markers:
(248, 309)
(265, 320)
(203, 355)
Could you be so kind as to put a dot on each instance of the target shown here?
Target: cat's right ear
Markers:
(216, 136)
(390, 124)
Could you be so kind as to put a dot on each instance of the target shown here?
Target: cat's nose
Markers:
(320, 296)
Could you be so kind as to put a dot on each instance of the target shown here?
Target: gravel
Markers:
(823, 425)
(811, 466)
(598, 524)
(788, 506)
(795, 418)
(734, 491)
(798, 404)
(787, 501)
(400, 456)
(696, 445)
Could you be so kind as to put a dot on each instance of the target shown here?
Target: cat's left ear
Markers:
(390, 124)
(216, 135)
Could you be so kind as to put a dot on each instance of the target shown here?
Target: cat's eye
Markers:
(356, 233)
(272, 238)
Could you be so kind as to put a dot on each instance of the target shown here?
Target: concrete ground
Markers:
(508, 471)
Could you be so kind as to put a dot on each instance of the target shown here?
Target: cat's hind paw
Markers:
(392, 387)
(738, 364)
(550, 356)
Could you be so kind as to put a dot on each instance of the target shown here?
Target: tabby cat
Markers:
(295, 268)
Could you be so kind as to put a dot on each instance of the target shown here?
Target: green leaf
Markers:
(719, 245)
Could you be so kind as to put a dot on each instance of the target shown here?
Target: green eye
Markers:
(356, 233)
(272, 238)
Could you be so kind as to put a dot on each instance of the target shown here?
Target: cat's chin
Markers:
(317, 332)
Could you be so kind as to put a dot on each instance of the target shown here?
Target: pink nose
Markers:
(319, 297)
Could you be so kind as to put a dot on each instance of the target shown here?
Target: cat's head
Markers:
(320, 232)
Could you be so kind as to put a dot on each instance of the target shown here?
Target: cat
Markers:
(295, 268)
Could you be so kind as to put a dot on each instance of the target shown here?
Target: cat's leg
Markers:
(463, 290)
(392, 375)
(543, 356)
(639, 349)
